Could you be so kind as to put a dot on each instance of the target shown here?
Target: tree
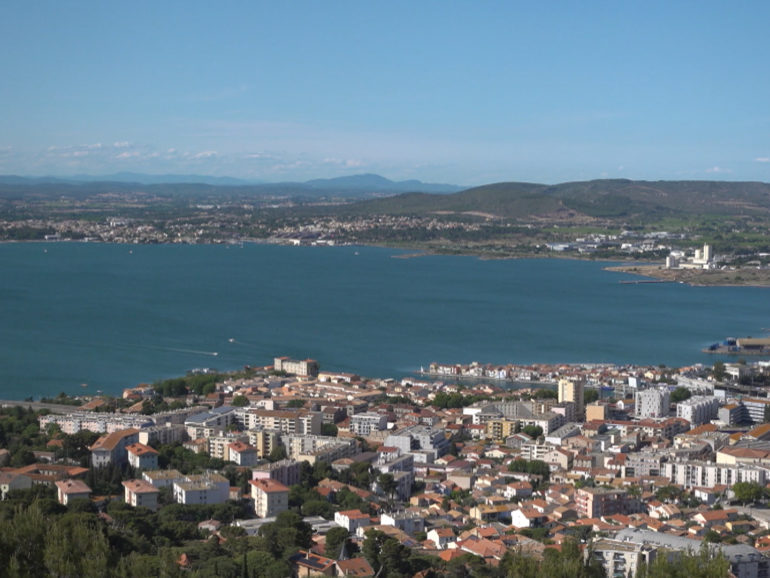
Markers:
(680, 394)
(590, 396)
(533, 431)
(748, 492)
(335, 538)
(329, 429)
(719, 371)
(278, 453)
(240, 401)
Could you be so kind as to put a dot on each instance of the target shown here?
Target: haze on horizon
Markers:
(465, 93)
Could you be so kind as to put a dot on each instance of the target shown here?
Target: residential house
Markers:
(142, 457)
(141, 493)
(68, 490)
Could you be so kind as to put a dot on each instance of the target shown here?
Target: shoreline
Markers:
(756, 278)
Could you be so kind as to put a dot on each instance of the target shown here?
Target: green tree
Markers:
(748, 492)
(335, 538)
(719, 371)
(680, 394)
(240, 401)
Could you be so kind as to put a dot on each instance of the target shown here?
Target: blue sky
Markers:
(457, 92)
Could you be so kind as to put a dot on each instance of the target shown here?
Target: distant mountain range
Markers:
(611, 198)
(619, 199)
(355, 183)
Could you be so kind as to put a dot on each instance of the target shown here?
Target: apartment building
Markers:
(653, 402)
(598, 502)
(301, 368)
(698, 410)
(111, 448)
(363, 424)
(270, 497)
(202, 489)
(142, 456)
(698, 474)
(283, 471)
(140, 493)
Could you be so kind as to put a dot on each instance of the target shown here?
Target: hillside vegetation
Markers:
(600, 199)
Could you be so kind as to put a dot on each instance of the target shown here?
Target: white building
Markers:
(698, 410)
(271, 497)
(202, 489)
(653, 402)
(141, 493)
(363, 424)
(694, 474)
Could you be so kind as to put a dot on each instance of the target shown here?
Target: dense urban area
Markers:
(467, 470)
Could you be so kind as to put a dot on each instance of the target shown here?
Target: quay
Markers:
(645, 281)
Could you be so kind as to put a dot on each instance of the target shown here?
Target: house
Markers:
(714, 517)
(351, 520)
(271, 497)
(13, 481)
(68, 490)
(142, 457)
(307, 564)
(359, 567)
(141, 493)
(528, 518)
(441, 537)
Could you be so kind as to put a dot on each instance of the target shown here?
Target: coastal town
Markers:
(464, 466)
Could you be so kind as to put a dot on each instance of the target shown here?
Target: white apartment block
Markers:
(363, 424)
(708, 475)
(163, 478)
(653, 402)
(271, 497)
(74, 422)
(202, 489)
(285, 421)
(698, 409)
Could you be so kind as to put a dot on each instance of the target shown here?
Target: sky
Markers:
(466, 93)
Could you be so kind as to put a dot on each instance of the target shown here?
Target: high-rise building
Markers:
(572, 390)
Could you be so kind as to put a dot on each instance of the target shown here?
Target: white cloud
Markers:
(204, 155)
(718, 170)
(121, 144)
(127, 155)
(762, 160)
(347, 163)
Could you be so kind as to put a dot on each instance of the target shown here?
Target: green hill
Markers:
(616, 198)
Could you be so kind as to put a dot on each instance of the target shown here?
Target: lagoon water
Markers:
(112, 316)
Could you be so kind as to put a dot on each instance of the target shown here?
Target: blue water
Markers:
(112, 316)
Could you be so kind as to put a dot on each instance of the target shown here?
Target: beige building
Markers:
(68, 490)
(270, 497)
(572, 390)
(140, 493)
(303, 368)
